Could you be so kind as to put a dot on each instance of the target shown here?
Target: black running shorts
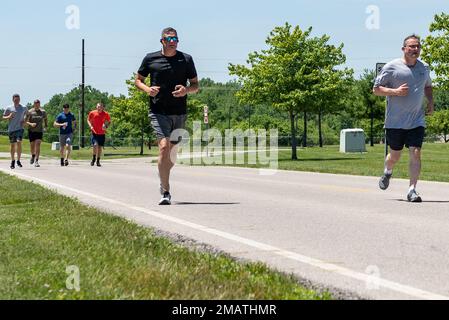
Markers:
(397, 138)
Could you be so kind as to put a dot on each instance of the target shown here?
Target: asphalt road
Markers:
(333, 230)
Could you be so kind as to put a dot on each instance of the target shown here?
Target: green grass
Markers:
(82, 154)
(435, 164)
(42, 233)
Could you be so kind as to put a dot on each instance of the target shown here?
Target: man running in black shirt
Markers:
(173, 76)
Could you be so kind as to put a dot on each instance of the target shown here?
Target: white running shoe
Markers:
(165, 200)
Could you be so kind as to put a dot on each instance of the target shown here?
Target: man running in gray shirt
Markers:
(404, 82)
(15, 114)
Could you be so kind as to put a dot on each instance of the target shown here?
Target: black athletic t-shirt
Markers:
(167, 73)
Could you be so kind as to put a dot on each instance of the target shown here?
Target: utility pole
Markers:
(372, 125)
(82, 99)
(206, 122)
(379, 67)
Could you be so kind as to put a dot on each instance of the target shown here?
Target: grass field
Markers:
(42, 233)
(435, 164)
(82, 154)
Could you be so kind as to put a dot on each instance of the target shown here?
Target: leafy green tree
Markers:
(292, 74)
(438, 124)
(224, 109)
(130, 115)
(441, 98)
(370, 109)
(436, 49)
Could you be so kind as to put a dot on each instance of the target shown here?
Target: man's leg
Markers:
(62, 145)
(94, 151)
(19, 150)
(174, 148)
(13, 151)
(165, 164)
(32, 150)
(415, 139)
(36, 153)
(396, 139)
(68, 152)
(414, 166)
(13, 154)
(37, 149)
(391, 160)
(99, 153)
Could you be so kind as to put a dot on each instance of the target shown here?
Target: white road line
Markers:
(332, 268)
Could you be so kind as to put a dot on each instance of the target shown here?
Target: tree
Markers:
(441, 98)
(367, 105)
(438, 124)
(292, 74)
(130, 114)
(224, 109)
(436, 49)
(333, 101)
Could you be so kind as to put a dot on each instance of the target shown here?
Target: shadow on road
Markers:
(424, 201)
(205, 203)
(319, 159)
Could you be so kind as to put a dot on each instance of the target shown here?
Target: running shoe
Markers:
(166, 199)
(384, 181)
(413, 196)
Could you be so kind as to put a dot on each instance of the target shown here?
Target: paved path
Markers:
(334, 230)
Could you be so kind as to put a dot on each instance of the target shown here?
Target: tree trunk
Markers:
(293, 132)
(372, 126)
(320, 131)
(142, 142)
(304, 137)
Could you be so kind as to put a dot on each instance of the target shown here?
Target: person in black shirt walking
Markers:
(173, 76)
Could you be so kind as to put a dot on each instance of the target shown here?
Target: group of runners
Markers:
(36, 121)
(404, 81)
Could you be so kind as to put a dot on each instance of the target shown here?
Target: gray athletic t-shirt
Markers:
(17, 122)
(405, 112)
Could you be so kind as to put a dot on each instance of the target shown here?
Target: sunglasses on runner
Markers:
(170, 39)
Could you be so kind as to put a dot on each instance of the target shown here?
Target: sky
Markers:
(40, 41)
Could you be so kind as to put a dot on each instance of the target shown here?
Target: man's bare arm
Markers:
(194, 86)
(380, 91)
(181, 91)
(140, 84)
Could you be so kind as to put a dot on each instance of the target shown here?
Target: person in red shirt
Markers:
(98, 120)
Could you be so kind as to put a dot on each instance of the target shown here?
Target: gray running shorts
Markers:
(66, 139)
(164, 125)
